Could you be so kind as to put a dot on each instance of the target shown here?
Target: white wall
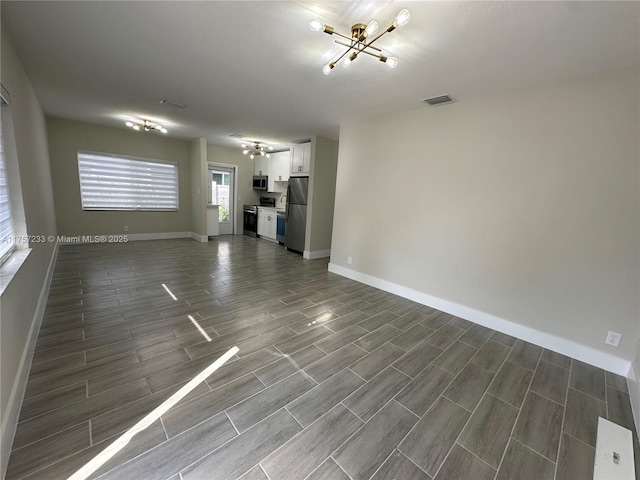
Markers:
(524, 206)
(198, 166)
(633, 381)
(66, 137)
(22, 301)
(322, 190)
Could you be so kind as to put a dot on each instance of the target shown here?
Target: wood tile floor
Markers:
(334, 379)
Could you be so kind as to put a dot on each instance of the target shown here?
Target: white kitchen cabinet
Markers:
(300, 159)
(276, 168)
(271, 225)
(278, 171)
(261, 165)
(267, 223)
(262, 222)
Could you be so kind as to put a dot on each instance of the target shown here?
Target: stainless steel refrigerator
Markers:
(296, 212)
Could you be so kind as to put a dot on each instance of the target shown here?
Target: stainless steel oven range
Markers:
(250, 220)
(250, 215)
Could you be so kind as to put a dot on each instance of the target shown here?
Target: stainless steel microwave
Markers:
(260, 182)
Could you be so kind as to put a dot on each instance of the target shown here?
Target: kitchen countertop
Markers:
(277, 209)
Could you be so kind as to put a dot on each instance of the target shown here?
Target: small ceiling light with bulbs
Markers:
(255, 149)
(359, 40)
(146, 126)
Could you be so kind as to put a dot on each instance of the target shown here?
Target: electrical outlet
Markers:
(349, 260)
(613, 338)
(126, 228)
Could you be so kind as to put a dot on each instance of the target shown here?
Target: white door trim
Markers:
(235, 190)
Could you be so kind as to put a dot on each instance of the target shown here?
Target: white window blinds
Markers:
(6, 232)
(110, 182)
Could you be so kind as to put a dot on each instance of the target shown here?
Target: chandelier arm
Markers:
(343, 36)
(368, 45)
(342, 56)
(377, 55)
(360, 43)
(378, 36)
(363, 47)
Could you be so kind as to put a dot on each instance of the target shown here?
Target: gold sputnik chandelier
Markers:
(146, 125)
(359, 41)
(256, 149)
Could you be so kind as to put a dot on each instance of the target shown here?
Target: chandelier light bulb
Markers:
(251, 156)
(129, 124)
(136, 127)
(327, 69)
(402, 18)
(371, 29)
(392, 62)
(270, 147)
(244, 152)
(316, 25)
(268, 156)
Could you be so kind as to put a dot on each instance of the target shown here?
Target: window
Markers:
(7, 244)
(7, 241)
(117, 182)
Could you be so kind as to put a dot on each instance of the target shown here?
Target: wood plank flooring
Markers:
(333, 380)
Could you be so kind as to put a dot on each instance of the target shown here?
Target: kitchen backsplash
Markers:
(281, 199)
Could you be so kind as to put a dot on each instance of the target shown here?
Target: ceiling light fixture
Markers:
(358, 40)
(256, 149)
(146, 125)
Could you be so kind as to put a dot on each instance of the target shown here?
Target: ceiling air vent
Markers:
(171, 103)
(437, 100)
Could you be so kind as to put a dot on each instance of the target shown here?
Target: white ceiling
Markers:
(254, 68)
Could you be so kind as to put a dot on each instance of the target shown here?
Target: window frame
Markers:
(132, 158)
(5, 102)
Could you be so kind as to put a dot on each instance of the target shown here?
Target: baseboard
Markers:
(134, 237)
(199, 238)
(267, 239)
(119, 237)
(10, 421)
(537, 337)
(316, 254)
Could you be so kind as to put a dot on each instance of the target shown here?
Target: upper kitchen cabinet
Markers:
(261, 165)
(276, 168)
(300, 159)
(278, 171)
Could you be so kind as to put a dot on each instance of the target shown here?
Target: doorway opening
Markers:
(221, 186)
